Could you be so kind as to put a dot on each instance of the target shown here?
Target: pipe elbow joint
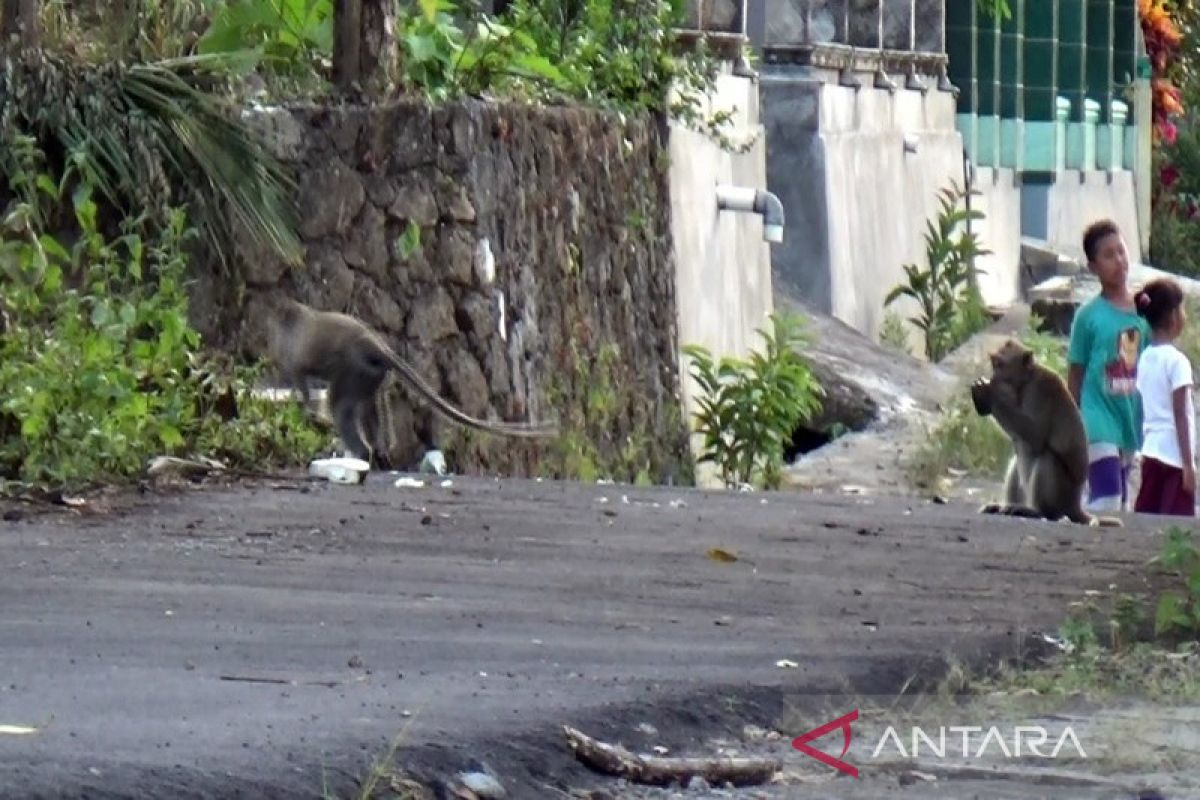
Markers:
(768, 205)
(759, 201)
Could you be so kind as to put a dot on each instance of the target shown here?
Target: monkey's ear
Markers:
(1027, 358)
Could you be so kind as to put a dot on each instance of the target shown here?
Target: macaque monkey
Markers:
(354, 360)
(1048, 470)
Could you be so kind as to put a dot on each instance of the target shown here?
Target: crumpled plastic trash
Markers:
(340, 470)
(434, 461)
(483, 785)
(406, 482)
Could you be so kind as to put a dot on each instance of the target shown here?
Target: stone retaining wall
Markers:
(541, 283)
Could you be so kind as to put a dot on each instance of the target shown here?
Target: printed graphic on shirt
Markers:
(1121, 374)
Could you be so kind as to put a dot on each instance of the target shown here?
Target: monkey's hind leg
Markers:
(377, 429)
(1015, 501)
(346, 408)
(1057, 495)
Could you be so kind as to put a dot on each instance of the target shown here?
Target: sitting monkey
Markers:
(1049, 466)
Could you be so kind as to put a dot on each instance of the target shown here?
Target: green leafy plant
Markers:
(997, 9)
(287, 36)
(1049, 350)
(441, 59)
(894, 332)
(1179, 610)
(149, 138)
(100, 365)
(1079, 634)
(616, 54)
(950, 309)
(959, 440)
(1126, 620)
(749, 407)
(96, 396)
(409, 242)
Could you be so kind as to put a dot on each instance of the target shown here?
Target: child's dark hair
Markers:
(1157, 300)
(1094, 233)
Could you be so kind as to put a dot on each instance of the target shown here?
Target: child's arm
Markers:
(1181, 387)
(1075, 381)
(1180, 404)
(1078, 351)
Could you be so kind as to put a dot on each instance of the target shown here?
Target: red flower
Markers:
(1167, 130)
(1168, 175)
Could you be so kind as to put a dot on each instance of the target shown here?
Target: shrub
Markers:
(750, 407)
(1178, 610)
(100, 367)
(950, 309)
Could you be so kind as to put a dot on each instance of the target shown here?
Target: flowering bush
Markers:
(1170, 30)
(1163, 39)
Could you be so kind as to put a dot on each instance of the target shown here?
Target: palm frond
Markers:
(151, 135)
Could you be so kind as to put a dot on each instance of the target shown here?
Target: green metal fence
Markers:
(1050, 87)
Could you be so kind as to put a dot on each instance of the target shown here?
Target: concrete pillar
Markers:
(1062, 112)
(1120, 114)
(1091, 118)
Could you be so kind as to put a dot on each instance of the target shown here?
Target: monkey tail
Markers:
(522, 430)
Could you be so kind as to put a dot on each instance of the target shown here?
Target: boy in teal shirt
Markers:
(1107, 336)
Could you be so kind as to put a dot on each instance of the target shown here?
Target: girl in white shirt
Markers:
(1164, 381)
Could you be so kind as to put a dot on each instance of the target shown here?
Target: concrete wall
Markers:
(1073, 203)
(859, 200)
(723, 264)
(881, 196)
(1000, 199)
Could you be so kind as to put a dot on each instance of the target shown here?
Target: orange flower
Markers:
(1163, 38)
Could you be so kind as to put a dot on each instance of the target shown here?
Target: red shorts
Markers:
(1162, 491)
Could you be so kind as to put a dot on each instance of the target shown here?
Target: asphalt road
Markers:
(272, 641)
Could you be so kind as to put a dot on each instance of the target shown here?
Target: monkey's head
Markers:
(1012, 363)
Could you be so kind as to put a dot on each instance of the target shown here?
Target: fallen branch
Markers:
(660, 771)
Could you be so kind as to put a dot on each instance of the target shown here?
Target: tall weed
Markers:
(949, 307)
(750, 407)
